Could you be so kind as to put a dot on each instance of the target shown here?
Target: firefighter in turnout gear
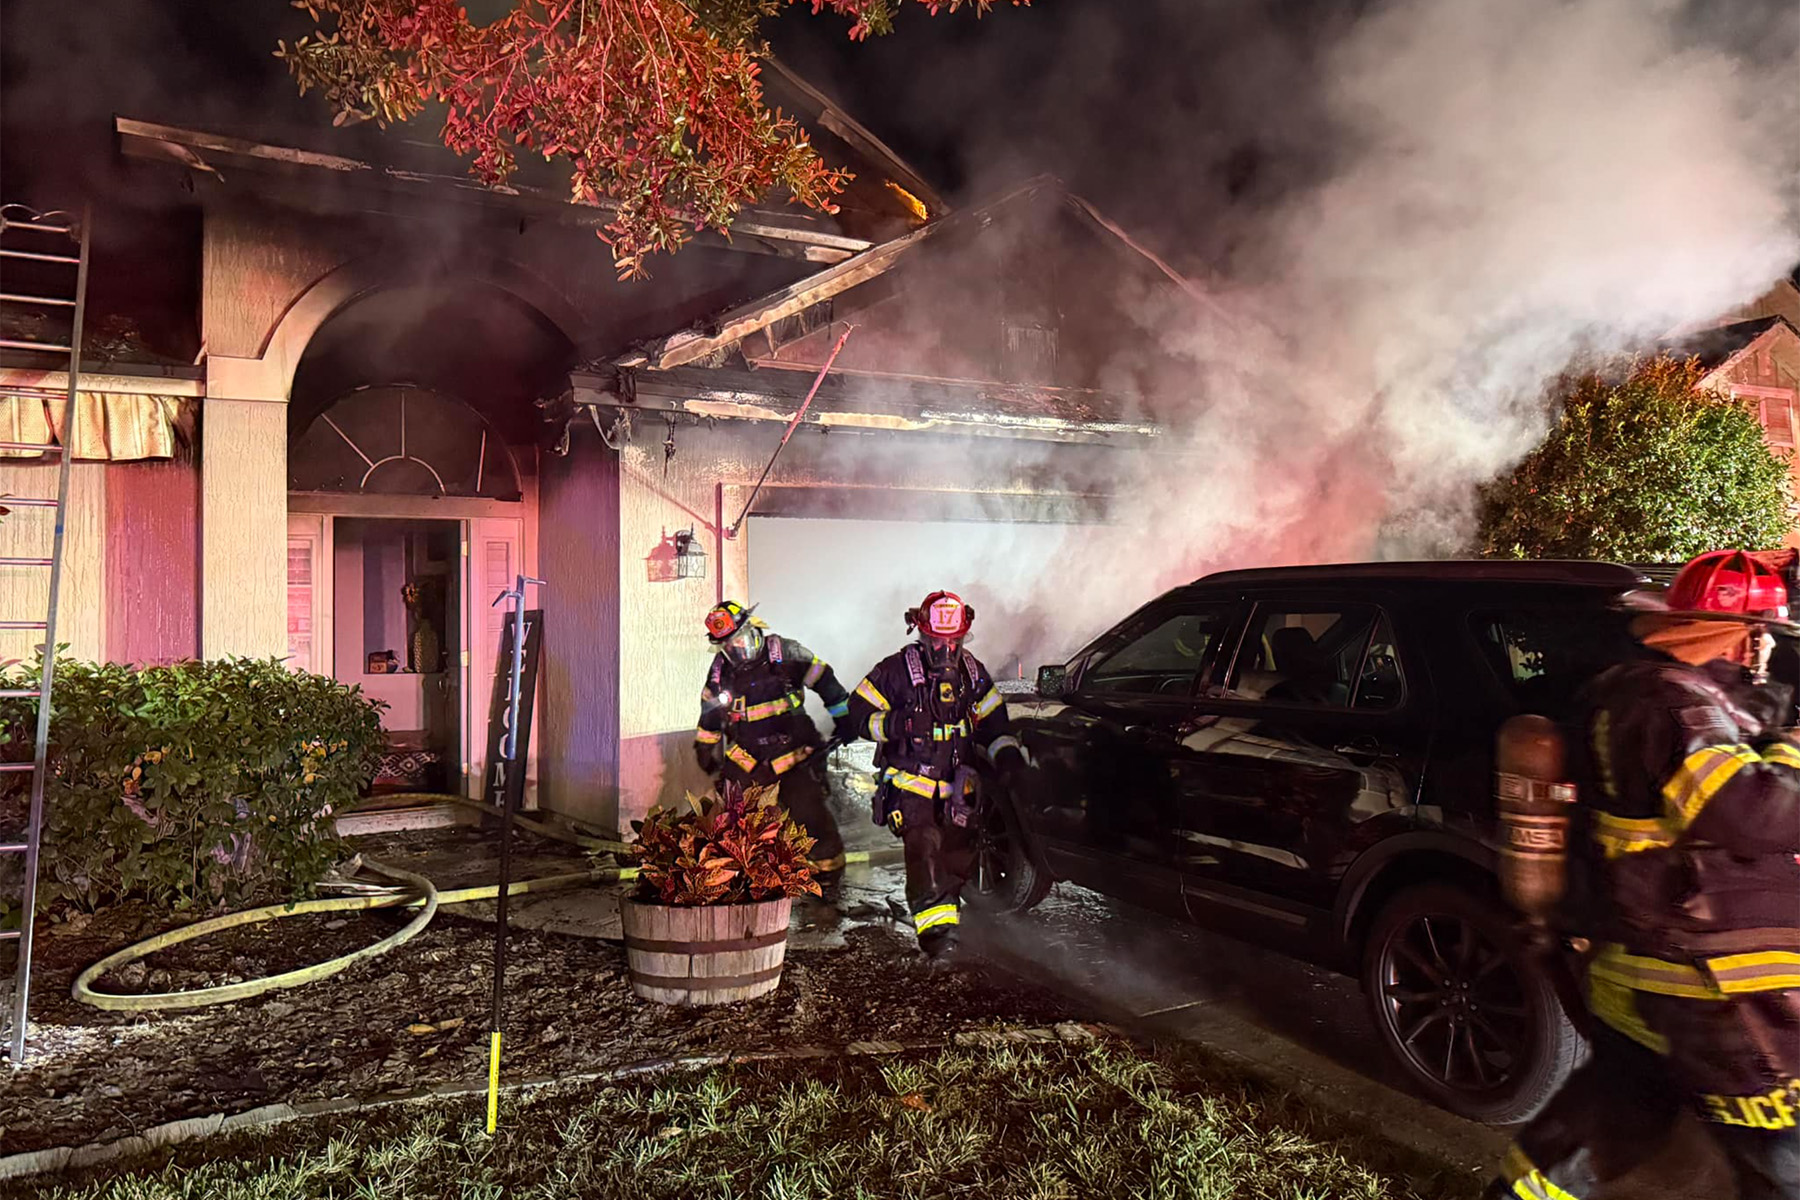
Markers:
(1687, 830)
(754, 728)
(931, 710)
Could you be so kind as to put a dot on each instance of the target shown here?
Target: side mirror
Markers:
(1052, 681)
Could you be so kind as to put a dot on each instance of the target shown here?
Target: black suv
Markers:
(1303, 756)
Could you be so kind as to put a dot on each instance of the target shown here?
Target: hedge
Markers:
(201, 782)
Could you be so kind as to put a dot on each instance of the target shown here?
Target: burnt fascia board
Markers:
(207, 153)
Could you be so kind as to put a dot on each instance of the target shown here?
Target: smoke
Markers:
(1507, 190)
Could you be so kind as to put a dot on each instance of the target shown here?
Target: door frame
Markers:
(327, 507)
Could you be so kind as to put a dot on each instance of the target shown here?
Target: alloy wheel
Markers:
(1455, 1003)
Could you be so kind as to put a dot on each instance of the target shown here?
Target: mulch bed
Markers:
(418, 1016)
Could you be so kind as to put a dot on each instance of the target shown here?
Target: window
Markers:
(1544, 656)
(1325, 657)
(1777, 421)
(1164, 659)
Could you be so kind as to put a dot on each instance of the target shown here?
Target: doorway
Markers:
(397, 604)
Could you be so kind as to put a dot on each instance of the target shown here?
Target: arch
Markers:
(286, 343)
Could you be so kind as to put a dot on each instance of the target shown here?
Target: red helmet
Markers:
(1731, 582)
(942, 617)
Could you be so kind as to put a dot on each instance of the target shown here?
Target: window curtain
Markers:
(108, 426)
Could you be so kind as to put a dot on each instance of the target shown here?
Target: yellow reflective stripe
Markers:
(931, 918)
(1618, 836)
(878, 727)
(814, 673)
(786, 762)
(1700, 777)
(773, 708)
(1644, 974)
(828, 864)
(708, 736)
(987, 704)
(868, 692)
(918, 785)
(1009, 742)
(741, 757)
(1617, 1006)
(1764, 971)
(1782, 754)
(1537, 1186)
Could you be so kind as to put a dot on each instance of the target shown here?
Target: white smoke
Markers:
(1515, 186)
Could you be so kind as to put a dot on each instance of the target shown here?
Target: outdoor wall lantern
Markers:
(678, 556)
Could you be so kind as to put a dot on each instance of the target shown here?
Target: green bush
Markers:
(198, 782)
(1642, 469)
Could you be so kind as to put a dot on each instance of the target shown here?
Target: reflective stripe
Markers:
(1617, 836)
(918, 785)
(741, 758)
(1783, 755)
(840, 709)
(774, 708)
(987, 704)
(1644, 974)
(878, 727)
(1617, 1006)
(867, 691)
(1763, 971)
(708, 737)
(787, 762)
(943, 733)
(1008, 742)
(814, 673)
(1527, 1181)
(829, 864)
(1700, 777)
(938, 914)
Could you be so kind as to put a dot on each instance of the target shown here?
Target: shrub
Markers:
(1641, 469)
(202, 781)
(731, 850)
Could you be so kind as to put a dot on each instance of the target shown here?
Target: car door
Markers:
(1301, 752)
(1104, 799)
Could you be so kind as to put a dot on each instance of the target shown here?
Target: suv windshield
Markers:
(1543, 656)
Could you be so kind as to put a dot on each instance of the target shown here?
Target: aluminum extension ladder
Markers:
(49, 251)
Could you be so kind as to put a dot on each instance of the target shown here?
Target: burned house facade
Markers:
(390, 392)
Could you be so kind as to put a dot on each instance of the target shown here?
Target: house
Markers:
(335, 401)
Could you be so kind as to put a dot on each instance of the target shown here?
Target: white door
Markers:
(493, 557)
(309, 638)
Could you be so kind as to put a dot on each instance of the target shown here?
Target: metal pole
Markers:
(732, 530)
(509, 753)
(40, 753)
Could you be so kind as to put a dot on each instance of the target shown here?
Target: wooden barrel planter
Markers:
(711, 955)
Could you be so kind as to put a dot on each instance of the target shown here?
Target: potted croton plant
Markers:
(708, 921)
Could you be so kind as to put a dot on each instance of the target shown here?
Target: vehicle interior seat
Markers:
(1304, 667)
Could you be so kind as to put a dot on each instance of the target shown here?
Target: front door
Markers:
(493, 558)
(1300, 761)
(1108, 793)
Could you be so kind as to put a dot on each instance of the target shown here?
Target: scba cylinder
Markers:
(1535, 802)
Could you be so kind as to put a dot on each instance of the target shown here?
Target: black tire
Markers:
(1007, 876)
(1470, 1017)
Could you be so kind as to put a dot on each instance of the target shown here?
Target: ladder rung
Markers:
(16, 768)
(23, 625)
(9, 935)
(21, 298)
(27, 562)
(13, 847)
(40, 447)
(28, 502)
(36, 257)
(20, 694)
(42, 347)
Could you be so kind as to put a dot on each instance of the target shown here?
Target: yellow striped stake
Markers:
(493, 1080)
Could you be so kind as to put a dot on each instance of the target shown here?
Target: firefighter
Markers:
(1690, 797)
(933, 712)
(754, 728)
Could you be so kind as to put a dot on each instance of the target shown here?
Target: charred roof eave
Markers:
(871, 404)
(210, 155)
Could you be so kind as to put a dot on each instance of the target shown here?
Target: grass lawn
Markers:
(1107, 1119)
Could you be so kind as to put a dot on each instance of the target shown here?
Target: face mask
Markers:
(941, 651)
(744, 645)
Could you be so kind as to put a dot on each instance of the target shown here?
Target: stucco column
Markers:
(243, 509)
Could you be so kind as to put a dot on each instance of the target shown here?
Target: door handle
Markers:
(1365, 748)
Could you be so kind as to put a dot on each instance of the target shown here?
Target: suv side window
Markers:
(1163, 657)
(1543, 656)
(1341, 656)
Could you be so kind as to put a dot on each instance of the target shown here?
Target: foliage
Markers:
(1043, 1121)
(193, 782)
(729, 850)
(1642, 469)
(655, 104)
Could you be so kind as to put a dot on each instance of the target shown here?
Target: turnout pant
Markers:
(1620, 1108)
(938, 858)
